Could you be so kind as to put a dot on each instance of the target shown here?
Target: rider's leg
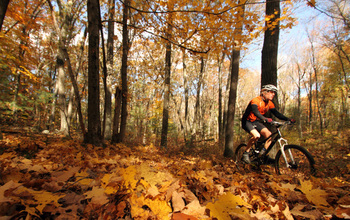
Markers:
(255, 136)
(266, 133)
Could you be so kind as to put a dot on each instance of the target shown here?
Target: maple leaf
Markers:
(97, 196)
(229, 204)
(36, 200)
(44, 198)
(194, 208)
(315, 196)
(128, 175)
(142, 207)
(8, 186)
(313, 214)
(284, 188)
(178, 201)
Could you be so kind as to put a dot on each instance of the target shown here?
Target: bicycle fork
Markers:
(283, 142)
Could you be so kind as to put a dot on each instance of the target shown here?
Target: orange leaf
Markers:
(181, 216)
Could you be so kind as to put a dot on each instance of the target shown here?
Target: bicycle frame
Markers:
(277, 138)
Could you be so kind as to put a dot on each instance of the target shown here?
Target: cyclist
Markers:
(255, 113)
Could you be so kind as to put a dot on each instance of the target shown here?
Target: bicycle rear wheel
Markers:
(239, 152)
(298, 163)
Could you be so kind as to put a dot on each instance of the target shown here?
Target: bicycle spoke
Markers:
(298, 162)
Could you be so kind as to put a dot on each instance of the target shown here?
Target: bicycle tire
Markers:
(239, 152)
(303, 166)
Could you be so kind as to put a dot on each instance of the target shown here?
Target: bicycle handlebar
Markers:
(276, 123)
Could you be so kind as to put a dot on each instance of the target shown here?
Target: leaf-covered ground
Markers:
(50, 177)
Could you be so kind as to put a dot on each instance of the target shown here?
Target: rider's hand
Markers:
(268, 120)
(292, 120)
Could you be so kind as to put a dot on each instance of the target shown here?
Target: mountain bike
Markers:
(290, 159)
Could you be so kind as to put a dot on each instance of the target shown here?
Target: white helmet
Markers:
(269, 87)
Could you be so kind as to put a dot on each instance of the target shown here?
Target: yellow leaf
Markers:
(315, 196)
(142, 208)
(97, 196)
(128, 175)
(44, 198)
(9, 185)
(227, 205)
(83, 178)
(39, 198)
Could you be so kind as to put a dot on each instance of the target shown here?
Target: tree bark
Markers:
(186, 91)
(61, 76)
(117, 110)
(3, 8)
(198, 113)
(108, 92)
(220, 116)
(104, 69)
(236, 54)
(94, 122)
(229, 134)
(166, 99)
(270, 46)
(270, 52)
(124, 73)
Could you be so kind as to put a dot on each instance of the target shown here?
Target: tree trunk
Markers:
(107, 103)
(124, 72)
(167, 72)
(186, 90)
(76, 92)
(310, 101)
(94, 126)
(197, 114)
(3, 9)
(108, 92)
(270, 51)
(164, 135)
(117, 110)
(236, 54)
(220, 116)
(61, 77)
(63, 55)
(270, 46)
(301, 75)
(315, 70)
(229, 134)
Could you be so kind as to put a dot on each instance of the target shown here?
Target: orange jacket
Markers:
(263, 108)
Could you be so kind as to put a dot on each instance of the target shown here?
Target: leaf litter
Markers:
(65, 179)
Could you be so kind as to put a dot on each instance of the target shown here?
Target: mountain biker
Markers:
(255, 113)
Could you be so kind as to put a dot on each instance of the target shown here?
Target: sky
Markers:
(291, 40)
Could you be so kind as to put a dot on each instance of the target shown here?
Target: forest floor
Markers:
(47, 176)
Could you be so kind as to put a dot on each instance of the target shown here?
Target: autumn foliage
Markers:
(50, 177)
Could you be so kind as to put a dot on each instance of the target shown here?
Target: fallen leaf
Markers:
(178, 202)
(194, 208)
(97, 196)
(11, 185)
(182, 216)
(142, 207)
(313, 214)
(316, 196)
(227, 205)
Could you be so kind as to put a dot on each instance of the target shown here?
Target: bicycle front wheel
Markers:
(295, 161)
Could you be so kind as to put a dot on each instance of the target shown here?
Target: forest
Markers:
(131, 109)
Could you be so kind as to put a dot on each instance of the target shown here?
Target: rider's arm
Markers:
(278, 114)
(257, 113)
